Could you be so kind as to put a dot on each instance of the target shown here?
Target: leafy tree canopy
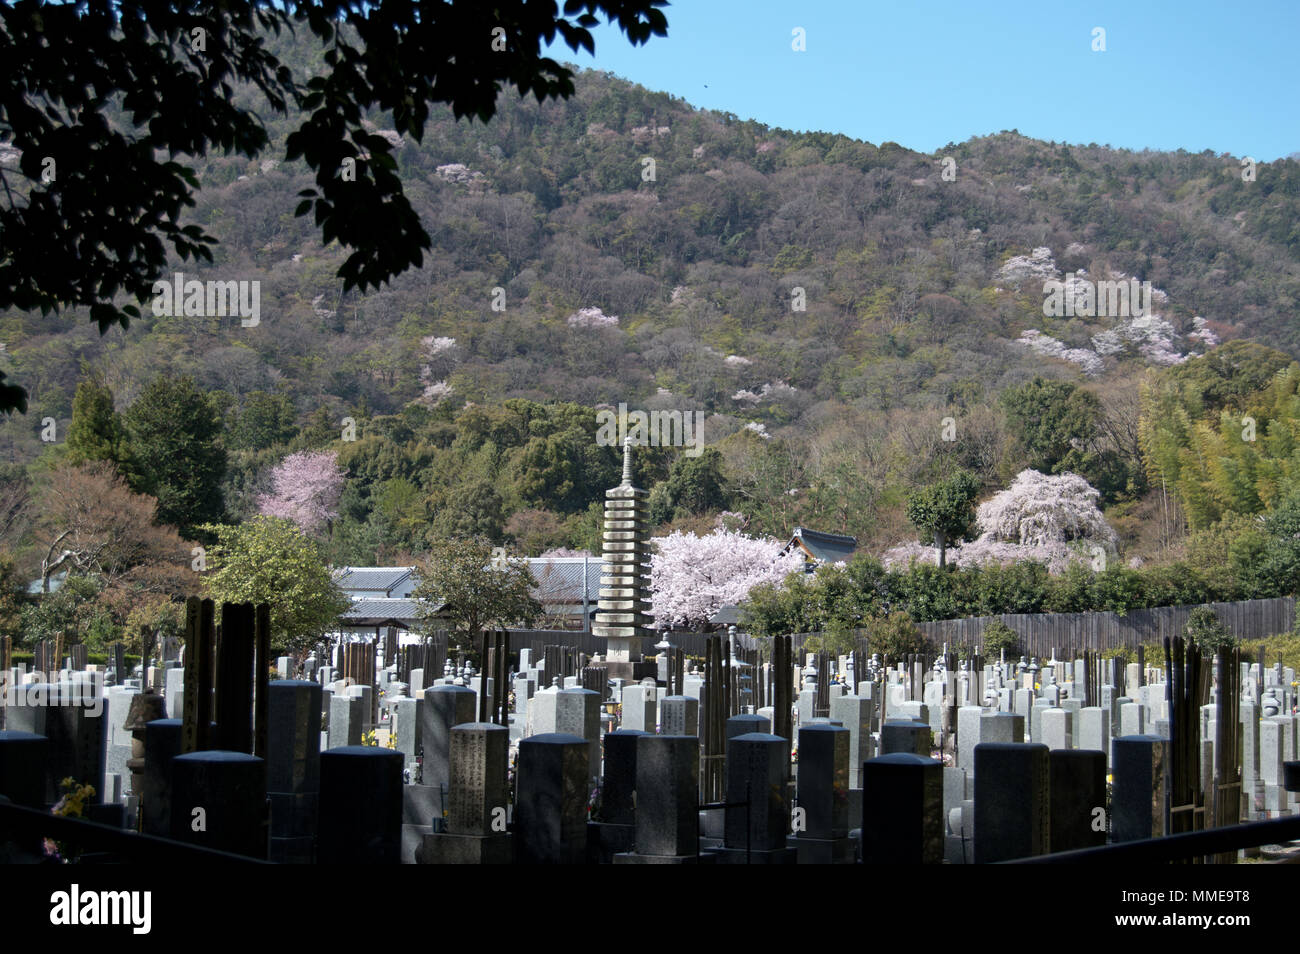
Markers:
(945, 509)
(464, 584)
(271, 560)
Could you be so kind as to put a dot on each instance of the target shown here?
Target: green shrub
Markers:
(895, 635)
(1207, 631)
(998, 636)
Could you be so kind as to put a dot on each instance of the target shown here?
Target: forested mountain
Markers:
(852, 320)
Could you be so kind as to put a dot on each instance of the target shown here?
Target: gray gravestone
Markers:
(639, 708)
(480, 790)
(444, 707)
(854, 713)
(757, 767)
(1137, 792)
(577, 712)
(1092, 732)
(1012, 807)
(668, 788)
(680, 715)
(1078, 796)
(910, 737)
(1056, 729)
(347, 716)
(902, 810)
(551, 800)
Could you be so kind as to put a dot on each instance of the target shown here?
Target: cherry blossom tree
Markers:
(1049, 519)
(307, 487)
(592, 318)
(692, 577)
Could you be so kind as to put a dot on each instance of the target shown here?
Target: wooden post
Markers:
(262, 664)
(197, 715)
(235, 657)
(482, 681)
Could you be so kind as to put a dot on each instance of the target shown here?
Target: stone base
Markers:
(632, 858)
(737, 856)
(955, 852)
(855, 806)
(824, 851)
(421, 804)
(412, 839)
(604, 840)
(713, 824)
(293, 851)
(495, 849)
(293, 816)
(631, 671)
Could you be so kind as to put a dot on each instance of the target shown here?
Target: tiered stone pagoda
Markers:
(623, 613)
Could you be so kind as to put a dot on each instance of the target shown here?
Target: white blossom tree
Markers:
(692, 577)
(1048, 519)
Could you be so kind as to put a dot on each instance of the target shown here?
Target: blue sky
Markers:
(1190, 74)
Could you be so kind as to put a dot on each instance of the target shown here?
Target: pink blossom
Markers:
(306, 489)
(692, 577)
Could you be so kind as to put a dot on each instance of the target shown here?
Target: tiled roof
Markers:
(381, 579)
(378, 610)
(727, 615)
(559, 579)
(824, 547)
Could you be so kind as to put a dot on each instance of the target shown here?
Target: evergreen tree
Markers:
(945, 510)
(96, 432)
(176, 439)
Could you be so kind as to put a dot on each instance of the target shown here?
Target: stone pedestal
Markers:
(1137, 792)
(218, 800)
(668, 786)
(756, 774)
(1078, 790)
(360, 806)
(902, 810)
(1012, 808)
(551, 800)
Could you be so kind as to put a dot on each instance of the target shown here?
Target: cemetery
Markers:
(750, 754)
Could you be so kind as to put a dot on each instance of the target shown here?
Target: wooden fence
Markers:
(1040, 633)
(1068, 633)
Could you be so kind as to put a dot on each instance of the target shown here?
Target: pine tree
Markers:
(176, 439)
(96, 432)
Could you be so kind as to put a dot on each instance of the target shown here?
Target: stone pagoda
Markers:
(623, 613)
